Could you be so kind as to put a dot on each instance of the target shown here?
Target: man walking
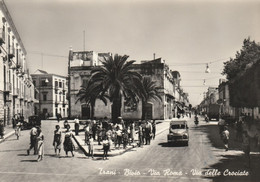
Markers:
(33, 140)
(76, 120)
(225, 137)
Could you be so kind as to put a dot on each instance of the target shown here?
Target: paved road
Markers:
(150, 163)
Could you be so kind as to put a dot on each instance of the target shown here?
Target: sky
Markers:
(187, 34)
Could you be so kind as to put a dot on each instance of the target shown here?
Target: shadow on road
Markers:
(29, 160)
(238, 164)
(166, 144)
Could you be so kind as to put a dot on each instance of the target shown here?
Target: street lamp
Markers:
(207, 69)
(69, 89)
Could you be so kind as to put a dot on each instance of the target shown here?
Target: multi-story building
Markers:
(80, 71)
(52, 93)
(224, 99)
(16, 88)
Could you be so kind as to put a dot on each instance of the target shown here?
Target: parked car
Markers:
(31, 121)
(178, 132)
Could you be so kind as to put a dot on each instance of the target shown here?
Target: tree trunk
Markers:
(143, 110)
(116, 109)
(92, 113)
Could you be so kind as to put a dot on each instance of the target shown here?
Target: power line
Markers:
(46, 54)
(201, 63)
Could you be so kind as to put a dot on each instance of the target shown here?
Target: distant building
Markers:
(51, 92)
(16, 88)
(80, 71)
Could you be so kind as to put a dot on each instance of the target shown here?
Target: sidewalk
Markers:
(161, 126)
(9, 131)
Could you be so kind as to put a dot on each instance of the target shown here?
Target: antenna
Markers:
(84, 40)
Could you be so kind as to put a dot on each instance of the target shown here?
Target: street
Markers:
(158, 161)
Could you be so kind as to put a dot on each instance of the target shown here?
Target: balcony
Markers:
(2, 36)
(11, 52)
(21, 96)
(56, 103)
(64, 103)
(64, 91)
(8, 88)
(16, 92)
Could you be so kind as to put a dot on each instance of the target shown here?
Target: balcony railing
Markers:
(2, 36)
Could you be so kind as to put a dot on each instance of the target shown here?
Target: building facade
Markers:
(16, 88)
(52, 93)
(169, 81)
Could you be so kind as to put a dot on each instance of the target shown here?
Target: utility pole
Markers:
(69, 86)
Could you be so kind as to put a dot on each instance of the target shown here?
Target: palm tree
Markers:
(89, 93)
(147, 90)
(116, 76)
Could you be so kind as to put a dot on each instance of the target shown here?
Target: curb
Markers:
(84, 148)
(7, 136)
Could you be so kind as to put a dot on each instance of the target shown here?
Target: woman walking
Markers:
(57, 140)
(90, 144)
(40, 139)
(68, 145)
(18, 129)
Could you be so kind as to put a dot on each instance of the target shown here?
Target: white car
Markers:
(178, 132)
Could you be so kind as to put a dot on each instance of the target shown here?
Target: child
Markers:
(91, 146)
(105, 147)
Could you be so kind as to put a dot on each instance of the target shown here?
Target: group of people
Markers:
(119, 133)
(36, 142)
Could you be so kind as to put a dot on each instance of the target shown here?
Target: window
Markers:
(60, 84)
(56, 83)
(130, 106)
(34, 83)
(44, 83)
(84, 82)
(45, 97)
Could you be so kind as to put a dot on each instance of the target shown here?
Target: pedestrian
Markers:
(57, 140)
(140, 134)
(90, 143)
(58, 117)
(132, 131)
(118, 136)
(40, 148)
(109, 136)
(68, 145)
(121, 121)
(99, 132)
(105, 147)
(154, 128)
(225, 137)
(66, 124)
(14, 120)
(148, 131)
(18, 129)
(125, 138)
(33, 140)
(87, 130)
(239, 129)
(94, 128)
(1, 129)
(246, 146)
(76, 125)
